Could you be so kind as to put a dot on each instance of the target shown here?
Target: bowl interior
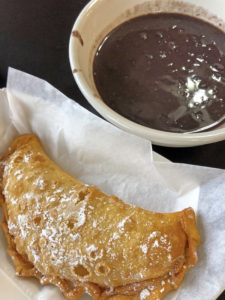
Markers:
(97, 19)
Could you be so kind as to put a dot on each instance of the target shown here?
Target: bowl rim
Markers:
(157, 137)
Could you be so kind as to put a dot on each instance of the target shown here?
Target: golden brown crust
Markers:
(64, 232)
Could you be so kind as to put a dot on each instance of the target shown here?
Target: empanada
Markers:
(64, 232)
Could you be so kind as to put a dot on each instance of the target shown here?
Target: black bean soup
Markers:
(164, 71)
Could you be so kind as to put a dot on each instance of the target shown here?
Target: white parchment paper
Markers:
(119, 163)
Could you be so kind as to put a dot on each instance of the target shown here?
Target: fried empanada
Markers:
(72, 235)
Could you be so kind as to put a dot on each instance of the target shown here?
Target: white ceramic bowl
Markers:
(96, 20)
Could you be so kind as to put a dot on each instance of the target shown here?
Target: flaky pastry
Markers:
(74, 236)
